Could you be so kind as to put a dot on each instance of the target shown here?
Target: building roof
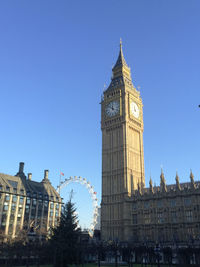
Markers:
(19, 184)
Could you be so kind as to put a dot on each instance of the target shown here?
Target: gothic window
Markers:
(147, 218)
(187, 201)
(160, 217)
(134, 205)
(173, 216)
(173, 203)
(159, 203)
(146, 204)
(188, 215)
(134, 218)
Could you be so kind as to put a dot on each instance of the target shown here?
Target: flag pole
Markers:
(59, 183)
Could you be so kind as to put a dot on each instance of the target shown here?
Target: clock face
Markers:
(134, 109)
(112, 108)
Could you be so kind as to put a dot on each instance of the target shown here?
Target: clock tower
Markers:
(122, 150)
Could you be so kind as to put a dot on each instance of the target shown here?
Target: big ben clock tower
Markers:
(122, 150)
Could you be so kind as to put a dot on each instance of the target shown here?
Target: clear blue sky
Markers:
(55, 57)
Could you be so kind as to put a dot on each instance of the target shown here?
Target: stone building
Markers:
(129, 210)
(168, 214)
(26, 204)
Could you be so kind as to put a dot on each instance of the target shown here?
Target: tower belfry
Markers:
(122, 149)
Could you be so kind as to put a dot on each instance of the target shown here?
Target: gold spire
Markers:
(177, 181)
(151, 185)
(192, 179)
(162, 181)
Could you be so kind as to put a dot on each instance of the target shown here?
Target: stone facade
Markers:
(165, 214)
(129, 210)
(25, 203)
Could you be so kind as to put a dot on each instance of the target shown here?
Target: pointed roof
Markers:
(121, 60)
(121, 73)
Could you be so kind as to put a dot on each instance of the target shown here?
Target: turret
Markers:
(192, 180)
(151, 186)
(163, 186)
(178, 187)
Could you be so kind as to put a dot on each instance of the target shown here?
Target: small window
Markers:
(51, 206)
(28, 200)
(7, 197)
(14, 199)
(34, 202)
(14, 190)
(57, 206)
(13, 207)
(8, 188)
(5, 207)
(21, 200)
(51, 213)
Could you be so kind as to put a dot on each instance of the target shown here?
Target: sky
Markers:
(56, 56)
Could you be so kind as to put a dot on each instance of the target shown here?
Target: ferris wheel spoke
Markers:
(91, 192)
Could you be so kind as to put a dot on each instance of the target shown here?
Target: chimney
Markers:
(46, 174)
(29, 176)
(21, 167)
(21, 171)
